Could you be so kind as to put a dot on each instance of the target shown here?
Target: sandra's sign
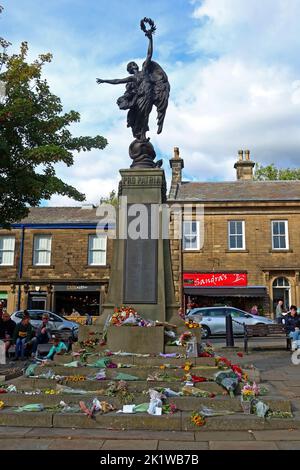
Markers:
(215, 279)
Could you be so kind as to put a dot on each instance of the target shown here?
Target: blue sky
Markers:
(234, 68)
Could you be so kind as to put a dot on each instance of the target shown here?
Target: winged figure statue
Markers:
(144, 88)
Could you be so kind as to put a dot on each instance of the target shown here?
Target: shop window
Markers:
(191, 235)
(236, 235)
(42, 250)
(97, 250)
(7, 250)
(280, 239)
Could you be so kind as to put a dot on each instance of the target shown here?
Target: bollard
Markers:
(2, 353)
(229, 332)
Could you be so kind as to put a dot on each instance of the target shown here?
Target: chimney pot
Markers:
(247, 154)
(176, 153)
(241, 155)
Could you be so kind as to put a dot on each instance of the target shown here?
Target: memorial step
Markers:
(186, 403)
(180, 421)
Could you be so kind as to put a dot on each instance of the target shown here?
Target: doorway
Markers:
(281, 291)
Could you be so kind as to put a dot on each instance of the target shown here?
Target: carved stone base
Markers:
(143, 154)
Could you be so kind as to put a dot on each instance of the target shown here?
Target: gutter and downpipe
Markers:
(20, 273)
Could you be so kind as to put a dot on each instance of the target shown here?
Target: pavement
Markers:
(276, 369)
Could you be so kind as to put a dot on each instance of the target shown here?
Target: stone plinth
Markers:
(141, 273)
(134, 339)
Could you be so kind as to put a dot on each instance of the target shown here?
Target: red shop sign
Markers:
(215, 280)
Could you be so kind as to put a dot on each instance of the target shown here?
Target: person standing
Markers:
(254, 310)
(279, 311)
(7, 328)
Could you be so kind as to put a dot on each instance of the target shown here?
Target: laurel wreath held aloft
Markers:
(148, 32)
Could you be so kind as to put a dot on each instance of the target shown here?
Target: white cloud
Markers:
(237, 87)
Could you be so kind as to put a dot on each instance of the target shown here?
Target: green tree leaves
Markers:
(34, 136)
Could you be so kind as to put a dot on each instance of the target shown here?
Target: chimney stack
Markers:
(176, 164)
(244, 166)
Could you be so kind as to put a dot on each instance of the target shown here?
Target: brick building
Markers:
(247, 251)
(53, 260)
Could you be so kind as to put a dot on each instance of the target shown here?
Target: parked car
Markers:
(213, 320)
(56, 322)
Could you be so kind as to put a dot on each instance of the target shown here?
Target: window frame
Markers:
(229, 235)
(197, 222)
(90, 236)
(9, 251)
(287, 241)
(35, 250)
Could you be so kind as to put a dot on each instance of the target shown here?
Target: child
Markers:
(58, 347)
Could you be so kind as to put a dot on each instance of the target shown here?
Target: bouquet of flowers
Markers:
(249, 392)
(128, 316)
(197, 419)
(191, 324)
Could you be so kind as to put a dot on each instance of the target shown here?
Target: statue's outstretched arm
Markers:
(150, 51)
(116, 81)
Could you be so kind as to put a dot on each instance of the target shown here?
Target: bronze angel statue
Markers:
(144, 88)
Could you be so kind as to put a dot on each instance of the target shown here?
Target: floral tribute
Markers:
(128, 316)
(197, 419)
(249, 392)
(191, 324)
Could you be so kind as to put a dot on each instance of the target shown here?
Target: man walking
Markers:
(279, 311)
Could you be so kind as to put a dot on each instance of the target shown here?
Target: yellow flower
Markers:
(1, 405)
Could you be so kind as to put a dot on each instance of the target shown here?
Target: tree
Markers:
(271, 173)
(34, 136)
(112, 199)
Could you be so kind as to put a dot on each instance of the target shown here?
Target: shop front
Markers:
(3, 300)
(81, 298)
(218, 289)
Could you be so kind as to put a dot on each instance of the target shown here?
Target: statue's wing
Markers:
(161, 92)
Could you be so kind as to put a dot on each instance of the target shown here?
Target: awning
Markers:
(227, 291)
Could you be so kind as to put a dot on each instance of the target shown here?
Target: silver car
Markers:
(213, 320)
(55, 321)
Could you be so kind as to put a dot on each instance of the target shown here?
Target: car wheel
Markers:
(205, 332)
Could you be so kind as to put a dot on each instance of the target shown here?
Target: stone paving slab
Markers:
(14, 431)
(110, 434)
(75, 444)
(130, 445)
(24, 444)
(174, 445)
(224, 436)
(277, 435)
(242, 445)
(291, 445)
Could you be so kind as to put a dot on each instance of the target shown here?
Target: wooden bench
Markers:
(270, 331)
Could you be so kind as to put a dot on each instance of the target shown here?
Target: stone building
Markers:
(54, 260)
(246, 248)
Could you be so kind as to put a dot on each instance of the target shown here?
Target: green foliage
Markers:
(34, 136)
(271, 173)
(112, 199)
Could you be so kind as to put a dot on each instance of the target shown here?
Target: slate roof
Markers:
(60, 215)
(239, 191)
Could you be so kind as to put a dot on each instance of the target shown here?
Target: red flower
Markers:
(240, 354)
(197, 379)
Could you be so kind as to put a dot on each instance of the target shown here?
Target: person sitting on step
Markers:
(58, 347)
(292, 326)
